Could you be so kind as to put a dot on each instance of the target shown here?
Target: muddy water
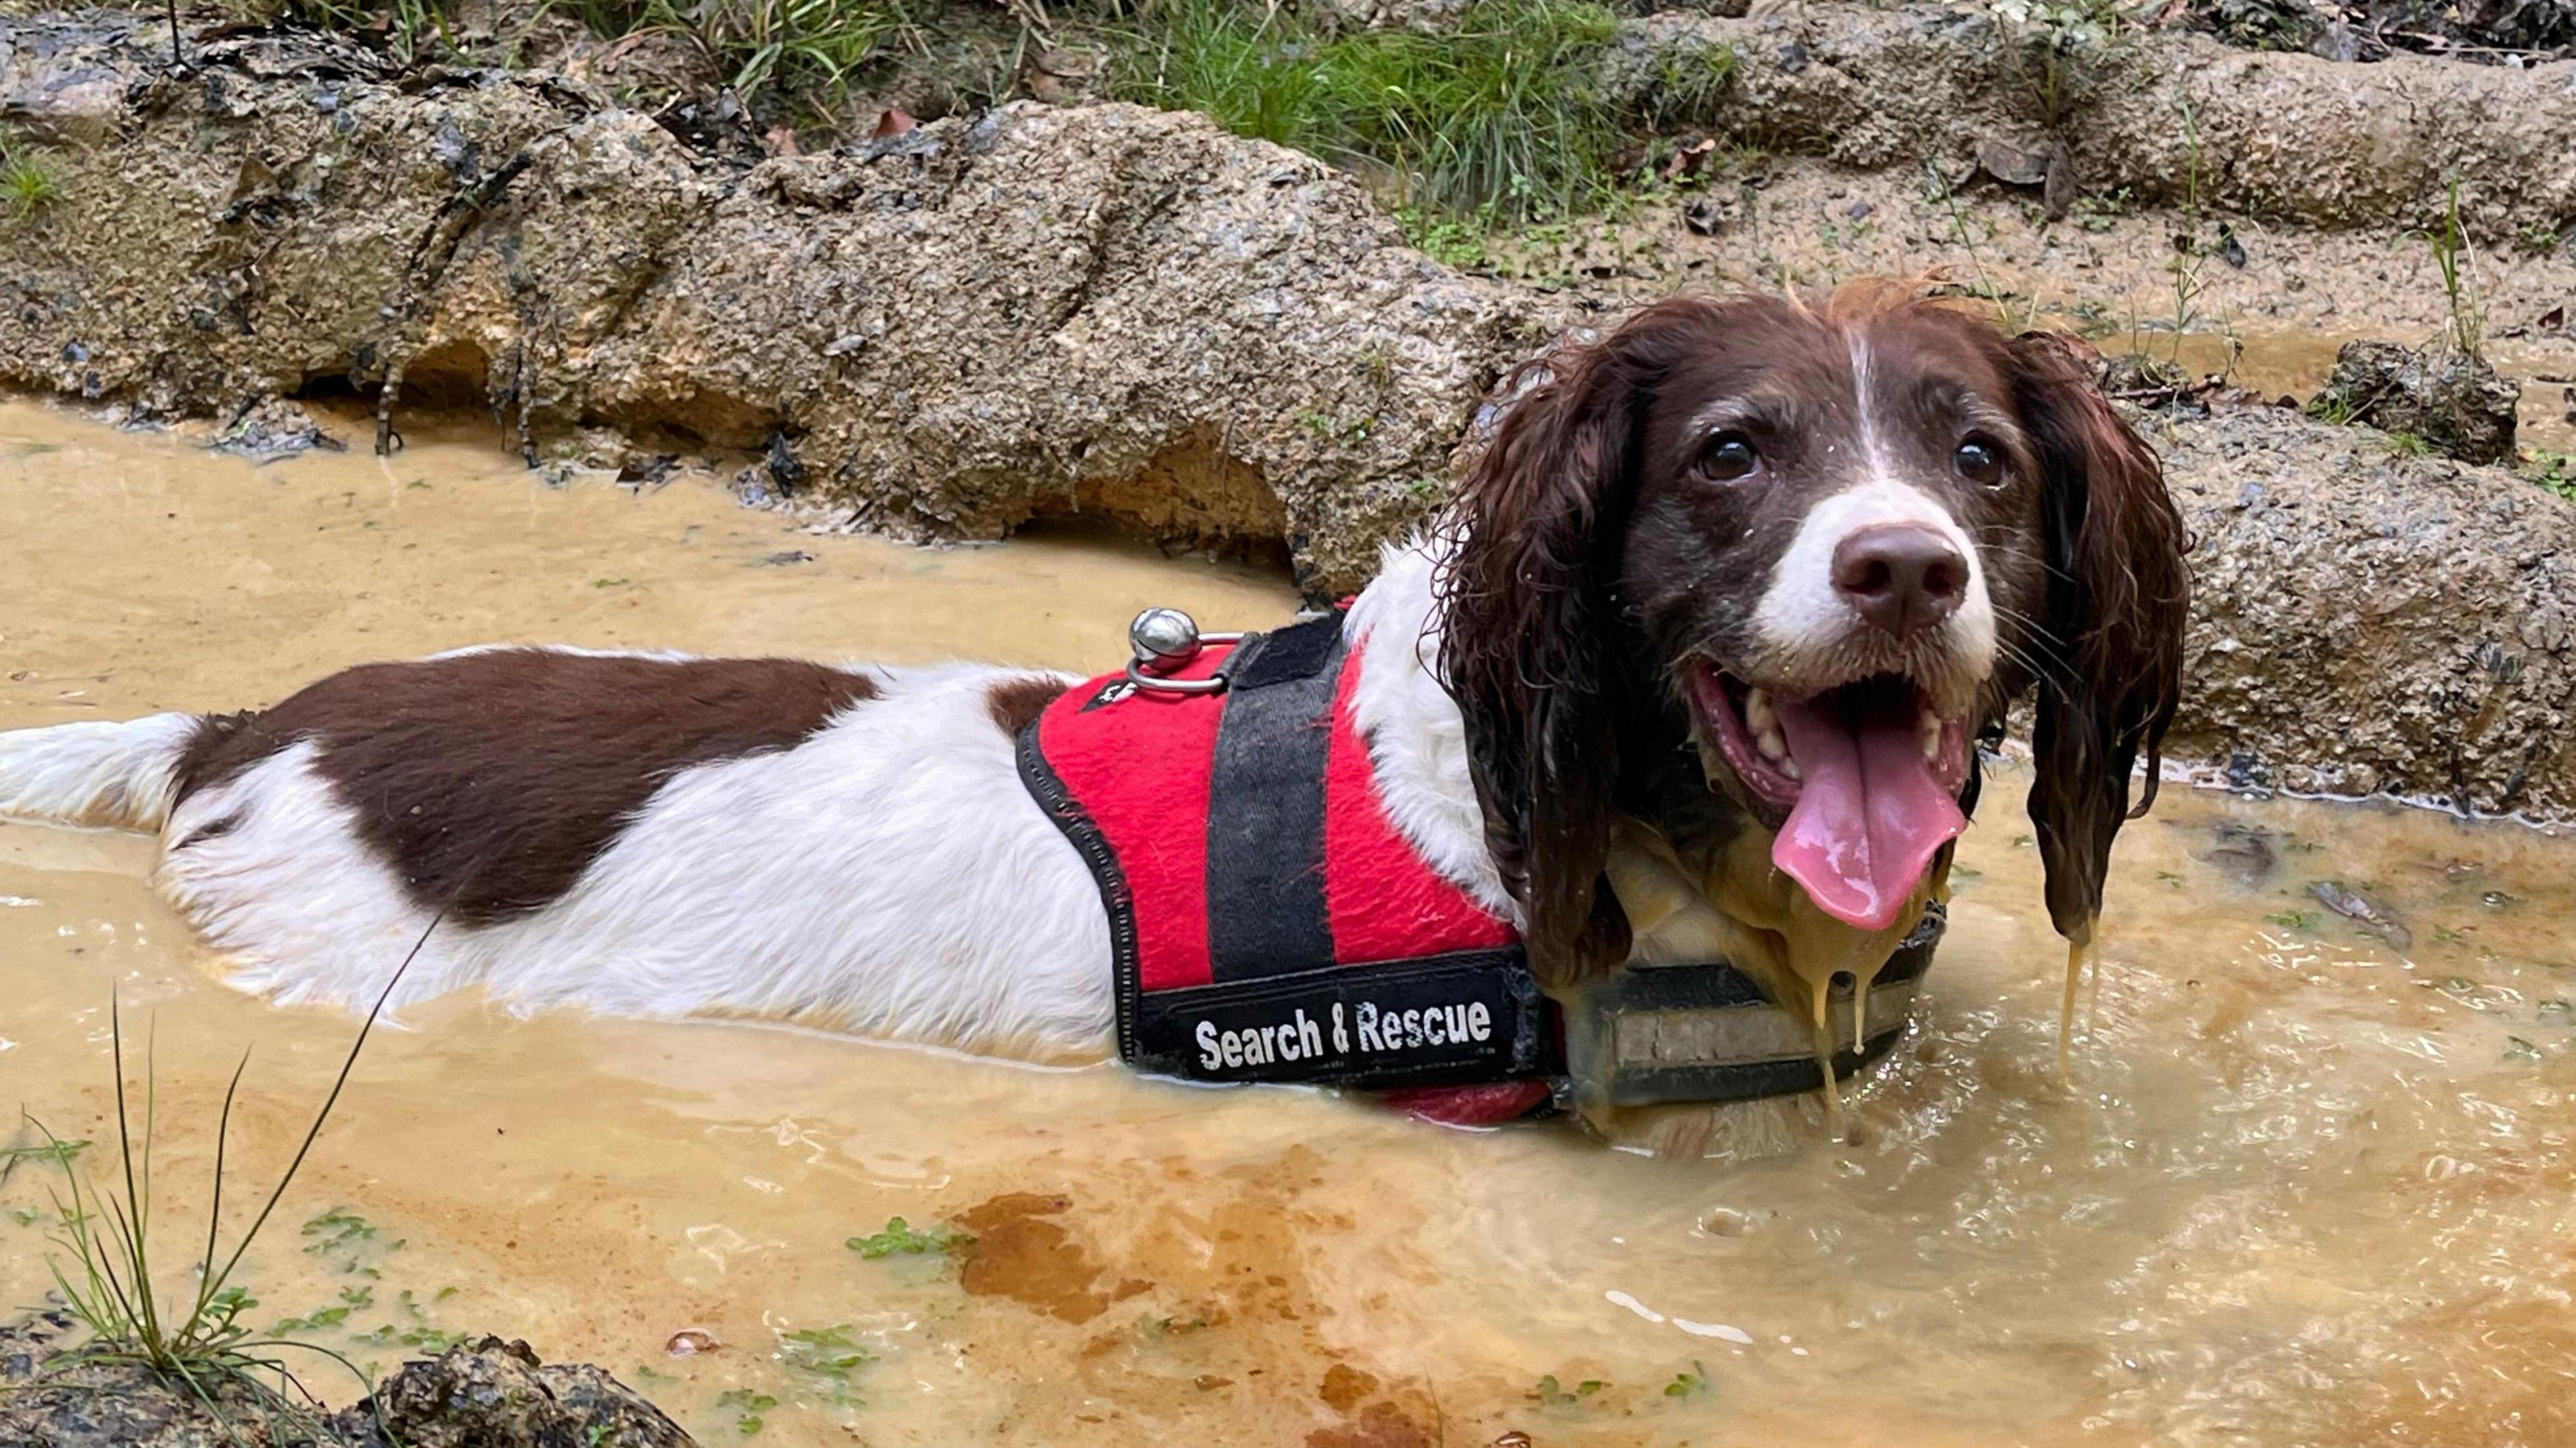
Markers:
(2308, 1185)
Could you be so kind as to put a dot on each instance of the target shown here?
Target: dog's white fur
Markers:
(1808, 628)
(890, 874)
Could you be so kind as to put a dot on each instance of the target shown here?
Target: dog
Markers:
(1698, 657)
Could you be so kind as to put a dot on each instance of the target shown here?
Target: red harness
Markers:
(1268, 920)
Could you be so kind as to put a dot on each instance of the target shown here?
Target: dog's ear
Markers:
(1526, 614)
(2119, 588)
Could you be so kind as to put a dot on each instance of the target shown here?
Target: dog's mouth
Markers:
(1862, 781)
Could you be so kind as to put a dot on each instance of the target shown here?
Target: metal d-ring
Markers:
(1164, 639)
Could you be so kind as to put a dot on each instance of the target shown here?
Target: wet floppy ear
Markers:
(2118, 596)
(1526, 615)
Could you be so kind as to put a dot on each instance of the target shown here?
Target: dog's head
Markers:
(1803, 557)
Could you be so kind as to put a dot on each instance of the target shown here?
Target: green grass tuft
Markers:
(1499, 120)
(2452, 256)
(193, 1337)
(806, 46)
(31, 184)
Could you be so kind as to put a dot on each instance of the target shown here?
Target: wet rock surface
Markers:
(2288, 137)
(2365, 30)
(2454, 401)
(485, 1394)
(2368, 621)
(948, 330)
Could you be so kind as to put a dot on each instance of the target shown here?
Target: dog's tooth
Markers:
(1772, 744)
(1930, 726)
(1759, 717)
(1789, 767)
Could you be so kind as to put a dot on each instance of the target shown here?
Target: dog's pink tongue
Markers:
(1869, 814)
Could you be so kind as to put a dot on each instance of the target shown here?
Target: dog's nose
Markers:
(1902, 577)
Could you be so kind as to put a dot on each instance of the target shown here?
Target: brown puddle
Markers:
(2308, 1187)
(2295, 364)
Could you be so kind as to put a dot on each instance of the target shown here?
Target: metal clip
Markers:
(1165, 639)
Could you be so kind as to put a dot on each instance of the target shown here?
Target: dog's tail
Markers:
(96, 772)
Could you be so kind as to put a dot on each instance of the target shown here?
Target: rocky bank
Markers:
(484, 1394)
(1044, 309)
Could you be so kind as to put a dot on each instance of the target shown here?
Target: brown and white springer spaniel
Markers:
(1717, 617)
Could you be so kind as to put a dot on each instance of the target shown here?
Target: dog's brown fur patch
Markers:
(1016, 702)
(489, 781)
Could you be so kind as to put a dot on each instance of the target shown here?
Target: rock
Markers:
(2454, 401)
(2286, 137)
(492, 1394)
(2374, 622)
(961, 326)
(273, 429)
(2012, 163)
(949, 330)
(2364, 909)
(1709, 215)
(486, 1394)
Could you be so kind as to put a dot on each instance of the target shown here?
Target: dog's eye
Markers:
(1730, 458)
(1979, 462)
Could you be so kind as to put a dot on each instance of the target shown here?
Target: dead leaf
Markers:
(894, 121)
(1687, 160)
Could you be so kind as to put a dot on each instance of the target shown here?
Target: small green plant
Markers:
(2452, 256)
(31, 184)
(2304, 921)
(1985, 288)
(2555, 471)
(1448, 241)
(747, 1407)
(192, 1337)
(826, 1357)
(2189, 256)
(2519, 1049)
(2066, 34)
(2098, 213)
(1690, 1384)
(901, 1239)
(1553, 1394)
(1324, 427)
(409, 29)
(2405, 444)
(60, 1153)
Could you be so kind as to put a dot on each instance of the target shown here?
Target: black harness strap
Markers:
(1265, 842)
